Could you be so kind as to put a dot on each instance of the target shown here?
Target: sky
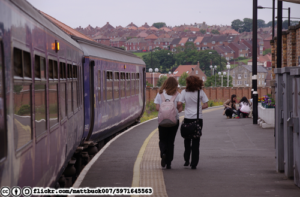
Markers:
(75, 13)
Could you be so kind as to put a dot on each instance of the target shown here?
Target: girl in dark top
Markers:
(230, 107)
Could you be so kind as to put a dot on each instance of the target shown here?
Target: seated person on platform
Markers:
(244, 109)
(230, 107)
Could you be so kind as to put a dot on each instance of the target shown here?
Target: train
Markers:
(61, 98)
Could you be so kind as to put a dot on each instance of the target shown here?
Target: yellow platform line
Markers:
(137, 164)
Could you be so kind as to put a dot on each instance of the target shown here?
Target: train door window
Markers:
(75, 87)
(103, 86)
(63, 100)
(99, 86)
(80, 85)
(53, 92)
(137, 83)
(22, 98)
(69, 89)
(128, 84)
(116, 85)
(40, 95)
(109, 84)
(132, 83)
(122, 85)
(3, 131)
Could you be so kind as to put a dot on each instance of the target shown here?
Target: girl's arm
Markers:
(179, 107)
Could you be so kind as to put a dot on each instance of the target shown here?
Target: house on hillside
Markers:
(118, 42)
(190, 70)
(136, 44)
(102, 40)
(225, 51)
(242, 76)
(265, 61)
(240, 49)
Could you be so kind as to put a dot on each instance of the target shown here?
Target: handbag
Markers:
(192, 129)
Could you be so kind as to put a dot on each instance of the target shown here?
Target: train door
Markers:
(92, 99)
(3, 131)
(144, 89)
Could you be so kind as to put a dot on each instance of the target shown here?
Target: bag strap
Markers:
(198, 105)
(174, 97)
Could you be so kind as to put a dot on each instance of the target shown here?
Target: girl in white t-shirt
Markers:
(167, 134)
(189, 96)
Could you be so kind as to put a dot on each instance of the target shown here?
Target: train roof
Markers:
(32, 12)
(94, 49)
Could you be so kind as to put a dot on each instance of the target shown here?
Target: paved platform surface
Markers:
(237, 158)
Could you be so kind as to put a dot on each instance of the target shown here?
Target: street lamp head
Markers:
(169, 72)
(228, 66)
(210, 52)
(168, 53)
(210, 66)
(150, 70)
(224, 73)
(156, 70)
(219, 73)
(215, 66)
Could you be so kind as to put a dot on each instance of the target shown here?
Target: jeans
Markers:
(192, 146)
(243, 114)
(166, 141)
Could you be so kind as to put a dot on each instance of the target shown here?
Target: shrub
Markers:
(24, 109)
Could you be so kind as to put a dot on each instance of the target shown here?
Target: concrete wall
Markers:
(217, 94)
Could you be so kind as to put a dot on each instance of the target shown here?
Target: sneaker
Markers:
(237, 117)
(163, 160)
(193, 167)
(168, 166)
(186, 163)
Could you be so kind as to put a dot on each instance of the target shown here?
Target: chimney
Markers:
(198, 64)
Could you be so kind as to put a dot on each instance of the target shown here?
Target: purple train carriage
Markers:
(61, 98)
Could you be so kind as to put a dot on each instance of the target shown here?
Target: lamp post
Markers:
(151, 70)
(220, 75)
(213, 68)
(228, 68)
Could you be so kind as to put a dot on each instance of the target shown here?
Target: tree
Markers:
(182, 79)
(269, 24)
(159, 25)
(215, 31)
(161, 80)
(210, 82)
(203, 31)
(266, 51)
(247, 27)
(148, 84)
(237, 24)
(261, 23)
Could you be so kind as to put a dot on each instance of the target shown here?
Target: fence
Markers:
(217, 94)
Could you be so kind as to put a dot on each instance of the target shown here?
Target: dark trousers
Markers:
(229, 112)
(245, 115)
(166, 141)
(192, 146)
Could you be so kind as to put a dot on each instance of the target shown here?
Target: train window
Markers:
(27, 64)
(104, 86)
(132, 83)
(137, 83)
(22, 99)
(99, 86)
(18, 69)
(40, 95)
(128, 84)
(75, 85)
(109, 84)
(39, 67)
(116, 85)
(122, 85)
(69, 89)
(3, 131)
(63, 106)
(53, 92)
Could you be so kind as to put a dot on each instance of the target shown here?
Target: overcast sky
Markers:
(173, 12)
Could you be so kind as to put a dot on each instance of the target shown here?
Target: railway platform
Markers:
(237, 158)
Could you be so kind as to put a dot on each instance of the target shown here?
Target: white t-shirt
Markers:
(190, 100)
(158, 100)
